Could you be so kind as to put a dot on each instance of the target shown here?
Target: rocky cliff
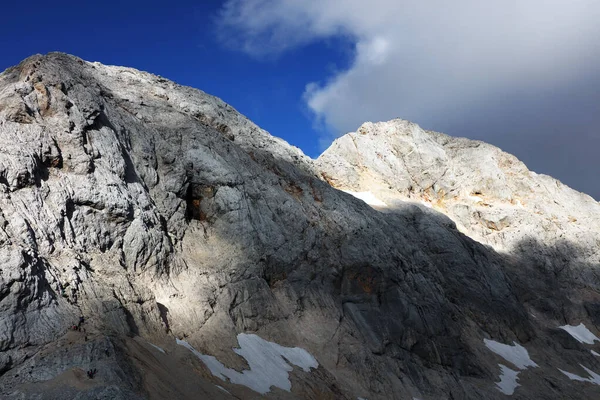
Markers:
(157, 244)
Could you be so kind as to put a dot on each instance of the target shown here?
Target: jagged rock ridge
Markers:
(143, 211)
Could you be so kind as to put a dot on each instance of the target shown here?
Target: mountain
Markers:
(156, 244)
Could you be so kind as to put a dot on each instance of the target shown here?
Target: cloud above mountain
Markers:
(445, 65)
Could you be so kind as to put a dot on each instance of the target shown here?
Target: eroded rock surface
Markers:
(140, 211)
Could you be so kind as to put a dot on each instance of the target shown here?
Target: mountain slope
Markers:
(491, 195)
(143, 212)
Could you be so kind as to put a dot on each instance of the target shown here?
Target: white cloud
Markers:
(423, 60)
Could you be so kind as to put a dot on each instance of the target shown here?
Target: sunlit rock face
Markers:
(490, 194)
(137, 214)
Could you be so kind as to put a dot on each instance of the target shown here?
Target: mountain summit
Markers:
(156, 244)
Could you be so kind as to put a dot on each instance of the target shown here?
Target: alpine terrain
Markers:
(156, 244)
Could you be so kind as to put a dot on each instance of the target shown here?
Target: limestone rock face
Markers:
(135, 212)
(489, 194)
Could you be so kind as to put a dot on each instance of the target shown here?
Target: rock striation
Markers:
(137, 214)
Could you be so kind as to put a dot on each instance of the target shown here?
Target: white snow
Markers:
(594, 353)
(157, 348)
(269, 363)
(515, 354)
(223, 389)
(581, 333)
(594, 377)
(508, 380)
(573, 377)
(368, 198)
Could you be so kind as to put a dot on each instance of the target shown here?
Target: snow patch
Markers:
(508, 380)
(367, 197)
(594, 377)
(269, 363)
(157, 348)
(515, 354)
(223, 389)
(594, 353)
(581, 333)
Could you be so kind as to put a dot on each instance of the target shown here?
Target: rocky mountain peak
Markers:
(157, 244)
(490, 194)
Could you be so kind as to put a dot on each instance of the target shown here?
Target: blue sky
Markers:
(178, 42)
(520, 74)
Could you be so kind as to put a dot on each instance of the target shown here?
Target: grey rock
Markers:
(155, 212)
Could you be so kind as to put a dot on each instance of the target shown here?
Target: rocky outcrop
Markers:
(136, 212)
(490, 194)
